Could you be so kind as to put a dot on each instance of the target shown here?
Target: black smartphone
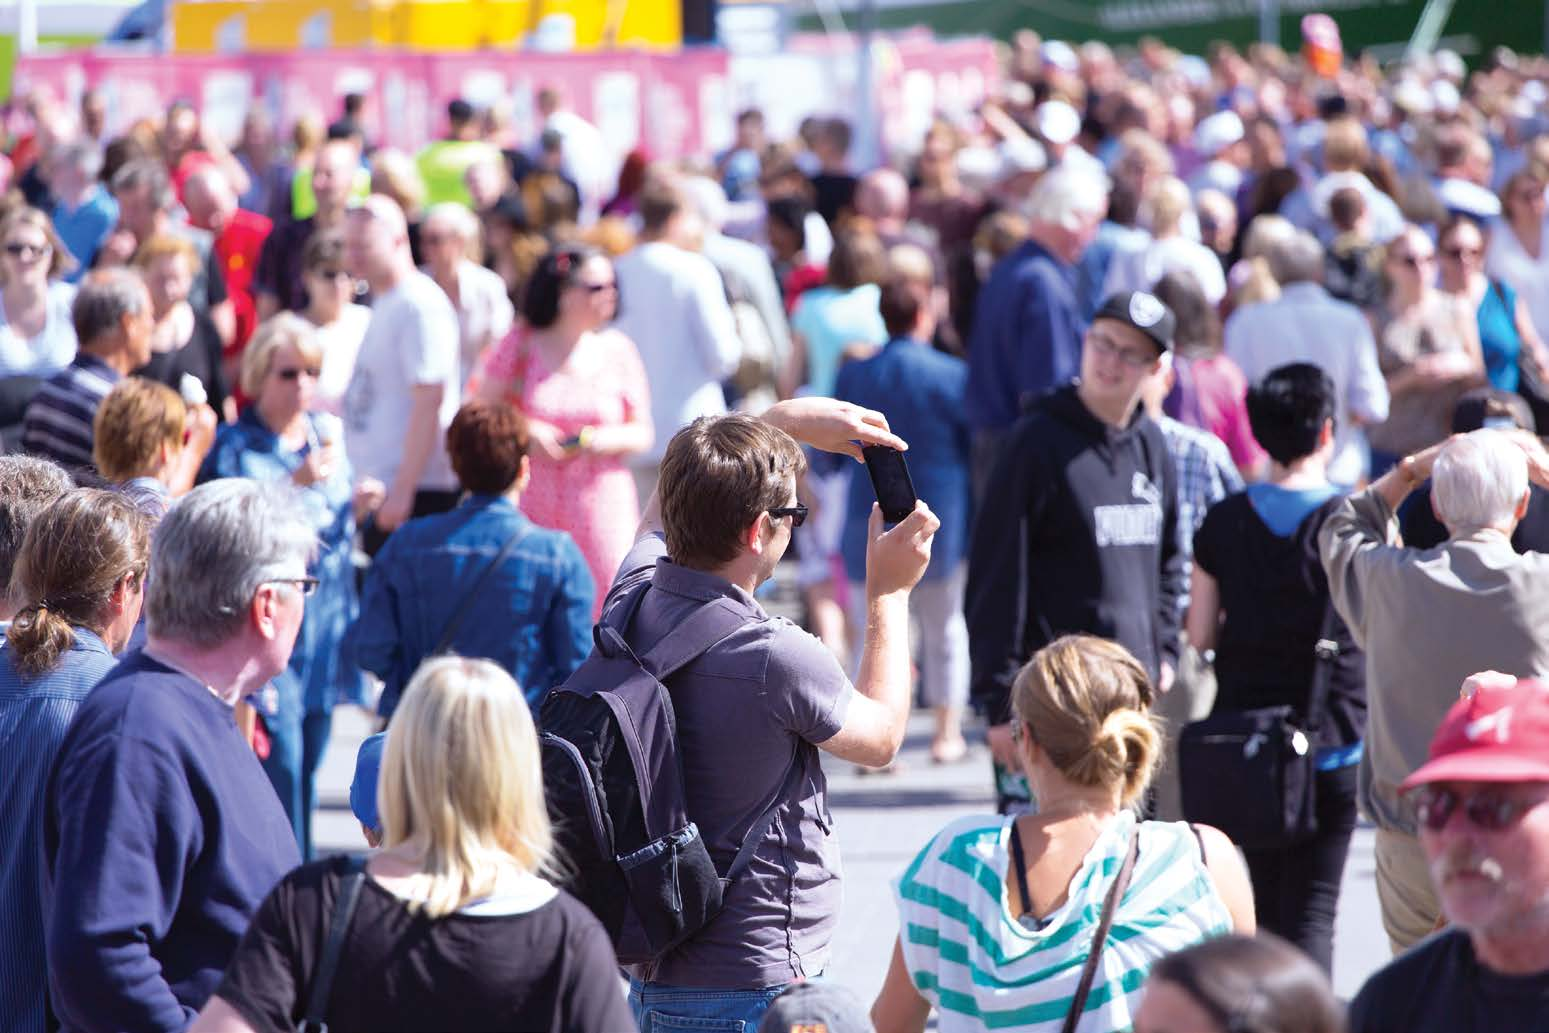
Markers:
(890, 480)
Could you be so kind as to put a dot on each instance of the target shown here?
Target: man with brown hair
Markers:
(753, 711)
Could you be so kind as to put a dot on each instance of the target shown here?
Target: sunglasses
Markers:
(797, 513)
(1414, 262)
(27, 251)
(294, 372)
(332, 274)
(596, 288)
(1457, 254)
(1488, 809)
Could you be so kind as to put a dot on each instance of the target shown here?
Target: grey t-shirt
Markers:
(747, 711)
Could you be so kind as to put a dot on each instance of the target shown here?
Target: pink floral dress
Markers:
(591, 497)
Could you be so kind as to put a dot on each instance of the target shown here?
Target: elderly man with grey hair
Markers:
(1308, 324)
(113, 323)
(161, 833)
(1427, 619)
(1028, 326)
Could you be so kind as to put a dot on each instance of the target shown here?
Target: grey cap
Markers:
(817, 1008)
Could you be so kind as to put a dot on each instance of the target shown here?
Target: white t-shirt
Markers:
(51, 350)
(672, 304)
(410, 341)
(484, 312)
(340, 341)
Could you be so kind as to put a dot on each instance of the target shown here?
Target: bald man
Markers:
(211, 203)
(405, 389)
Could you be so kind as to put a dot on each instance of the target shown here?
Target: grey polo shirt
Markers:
(749, 712)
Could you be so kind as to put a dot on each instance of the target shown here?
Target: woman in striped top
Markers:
(998, 914)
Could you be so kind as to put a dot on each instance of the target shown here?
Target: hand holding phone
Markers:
(890, 479)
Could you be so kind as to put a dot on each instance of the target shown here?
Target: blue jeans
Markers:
(659, 1008)
(297, 742)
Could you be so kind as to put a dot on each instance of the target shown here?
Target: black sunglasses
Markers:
(1487, 809)
(797, 513)
(294, 372)
(27, 250)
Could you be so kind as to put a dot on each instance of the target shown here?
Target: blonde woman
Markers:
(1001, 911)
(456, 927)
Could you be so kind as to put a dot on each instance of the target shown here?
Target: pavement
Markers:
(881, 822)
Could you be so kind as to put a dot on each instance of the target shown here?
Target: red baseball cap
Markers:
(1495, 735)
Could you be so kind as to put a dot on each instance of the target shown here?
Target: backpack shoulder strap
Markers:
(705, 628)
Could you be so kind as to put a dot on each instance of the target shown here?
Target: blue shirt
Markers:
(921, 392)
(161, 836)
(533, 616)
(248, 448)
(1026, 336)
(1498, 336)
(85, 228)
(830, 319)
(35, 713)
(58, 422)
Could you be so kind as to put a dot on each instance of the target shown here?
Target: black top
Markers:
(200, 357)
(1078, 533)
(1274, 594)
(280, 264)
(1438, 986)
(833, 193)
(1421, 530)
(549, 968)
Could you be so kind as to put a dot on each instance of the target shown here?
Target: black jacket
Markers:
(1078, 533)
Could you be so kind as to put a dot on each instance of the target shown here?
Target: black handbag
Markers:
(1253, 773)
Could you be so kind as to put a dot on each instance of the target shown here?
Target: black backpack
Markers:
(613, 779)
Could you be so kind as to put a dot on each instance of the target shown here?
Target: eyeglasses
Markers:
(797, 513)
(1104, 345)
(1457, 254)
(27, 252)
(290, 373)
(596, 288)
(333, 274)
(1488, 809)
(305, 585)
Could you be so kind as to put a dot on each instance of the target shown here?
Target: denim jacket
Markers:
(532, 615)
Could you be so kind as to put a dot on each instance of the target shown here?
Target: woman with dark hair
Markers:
(525, 591)
(1239, 984)
(331, 308)
(80, 579)
(1260, 599)
(1506, 333)
(583, 390)
(1209, 390)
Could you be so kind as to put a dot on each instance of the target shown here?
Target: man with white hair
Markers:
(1028, 325)
(404, 392)
(1427, 619)
(161, 833)
(1307, 324)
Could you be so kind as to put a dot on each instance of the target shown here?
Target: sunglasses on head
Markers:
(1487, 809)
(294, 372)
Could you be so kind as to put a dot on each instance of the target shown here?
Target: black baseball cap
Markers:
(1143, 311)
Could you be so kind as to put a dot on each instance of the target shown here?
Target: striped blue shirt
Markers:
(59, 417)
(34, 716)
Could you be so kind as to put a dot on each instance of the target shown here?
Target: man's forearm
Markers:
(884, 670)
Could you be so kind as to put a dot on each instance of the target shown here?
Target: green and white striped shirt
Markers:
(984, 969)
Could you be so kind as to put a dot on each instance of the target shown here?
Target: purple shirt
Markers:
(749, 713)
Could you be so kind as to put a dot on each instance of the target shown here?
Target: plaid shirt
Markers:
(1206, 475)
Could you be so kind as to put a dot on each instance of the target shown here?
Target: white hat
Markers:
(1449, 64)
(1057, 121)
(1410, 96)
(1218, 132)
(1022, 155)
(1446, 96)
(1470, 199)
(1060, 54)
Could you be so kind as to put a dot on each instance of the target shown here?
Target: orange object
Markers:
(1321, 46)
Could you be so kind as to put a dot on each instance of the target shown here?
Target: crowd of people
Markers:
(1217, 378)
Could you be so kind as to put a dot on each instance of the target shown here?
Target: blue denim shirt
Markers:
(35, 713)
(920, 391)
(533, 616)
(320, 663)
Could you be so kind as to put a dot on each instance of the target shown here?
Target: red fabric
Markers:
(238, 248)
(800, 280)
(190, 163)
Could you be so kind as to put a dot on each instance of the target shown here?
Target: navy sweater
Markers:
(161, 835)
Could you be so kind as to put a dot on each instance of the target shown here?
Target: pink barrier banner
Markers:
(665, 102)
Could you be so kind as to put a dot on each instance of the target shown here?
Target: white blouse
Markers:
(1507, 261)
(50, 350)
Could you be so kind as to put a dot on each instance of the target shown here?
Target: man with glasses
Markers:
(754, 709)
(1480, 804)
(1427, 619)
(1079, 530)
(161, 833)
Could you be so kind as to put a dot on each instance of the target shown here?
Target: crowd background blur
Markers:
(490, 343)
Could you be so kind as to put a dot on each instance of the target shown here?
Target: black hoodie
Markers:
(1078, 533)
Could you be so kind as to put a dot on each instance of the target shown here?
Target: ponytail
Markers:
(37, 638)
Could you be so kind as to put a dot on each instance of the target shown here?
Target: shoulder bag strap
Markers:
(1110, 907)
(1326, 651)
(354, 877)
(472, 594)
